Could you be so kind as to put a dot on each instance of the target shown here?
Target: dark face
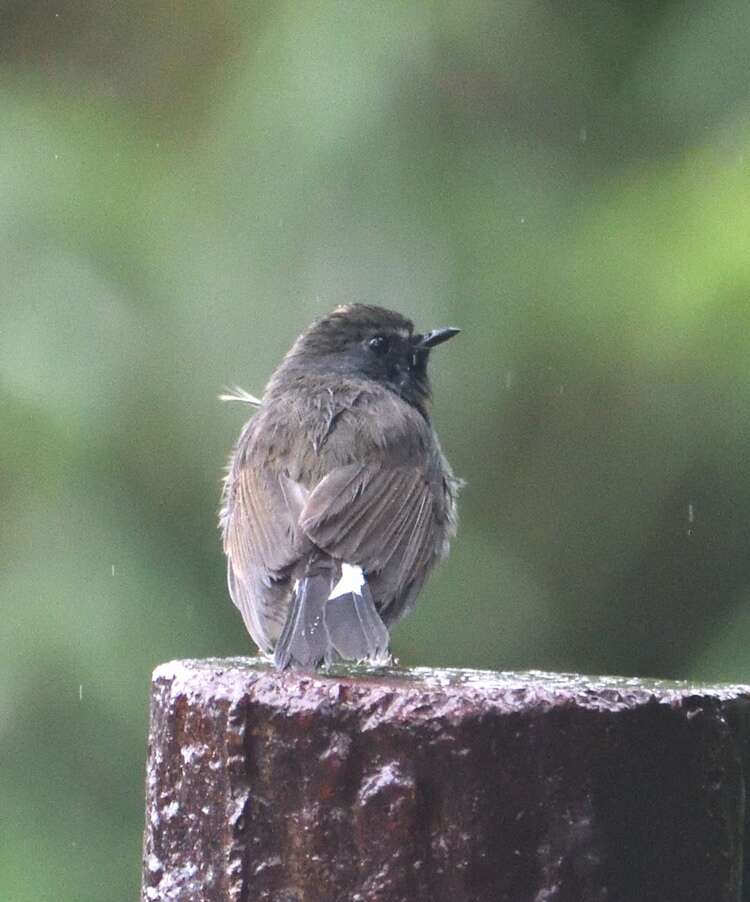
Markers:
(371, 343)
(392, 358)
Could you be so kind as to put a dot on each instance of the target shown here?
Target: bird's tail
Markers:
(332, 617)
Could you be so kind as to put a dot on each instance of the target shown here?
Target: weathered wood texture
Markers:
(388, 786)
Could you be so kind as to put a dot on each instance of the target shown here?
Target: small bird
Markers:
(338, 500)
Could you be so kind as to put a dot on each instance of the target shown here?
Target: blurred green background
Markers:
(183, 186)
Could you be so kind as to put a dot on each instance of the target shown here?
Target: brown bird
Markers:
(338, 500)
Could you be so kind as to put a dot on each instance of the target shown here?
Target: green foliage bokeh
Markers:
(184, 186)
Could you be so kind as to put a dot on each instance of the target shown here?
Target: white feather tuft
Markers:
(239, 394)
(351, 582)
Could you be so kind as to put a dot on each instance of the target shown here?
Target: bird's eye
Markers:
(379, 344)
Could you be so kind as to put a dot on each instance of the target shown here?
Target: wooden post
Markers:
(429, 785)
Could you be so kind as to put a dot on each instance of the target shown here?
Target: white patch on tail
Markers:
(351, 582)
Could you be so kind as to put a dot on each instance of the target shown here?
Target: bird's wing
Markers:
(262, 542)
(381, 519)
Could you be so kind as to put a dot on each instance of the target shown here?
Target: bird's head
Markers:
(362, 341)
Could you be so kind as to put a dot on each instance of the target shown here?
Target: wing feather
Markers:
(263, 542)
(381, 519)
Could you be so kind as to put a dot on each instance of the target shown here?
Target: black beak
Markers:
(436, 337)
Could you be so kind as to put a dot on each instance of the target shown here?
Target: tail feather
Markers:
(355, 628)
(328, 623)
(303, 642)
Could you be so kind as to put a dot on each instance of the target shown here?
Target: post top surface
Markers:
(500, 690)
